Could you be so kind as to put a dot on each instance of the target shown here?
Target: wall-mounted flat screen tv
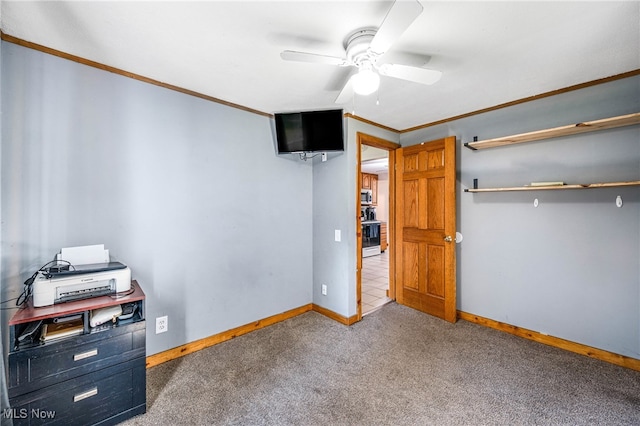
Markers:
(310, 131)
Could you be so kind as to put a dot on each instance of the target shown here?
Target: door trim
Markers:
(376, 142)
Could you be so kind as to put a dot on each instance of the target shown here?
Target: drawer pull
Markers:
(85, 395)
(85, 355)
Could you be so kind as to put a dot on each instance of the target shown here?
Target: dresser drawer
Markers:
(45, 366)
(88, 399)
(61, 362)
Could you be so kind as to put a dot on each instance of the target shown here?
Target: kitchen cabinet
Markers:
(383, 236)
(370, 181)
(95, 376)
(374, 190)
(366, 181)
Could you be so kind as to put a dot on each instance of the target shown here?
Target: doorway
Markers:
(375, 277)
(374, 214)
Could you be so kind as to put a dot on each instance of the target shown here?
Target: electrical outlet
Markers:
(162, 324)
(324, 289)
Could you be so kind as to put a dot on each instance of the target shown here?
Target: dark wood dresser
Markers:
(95, 376)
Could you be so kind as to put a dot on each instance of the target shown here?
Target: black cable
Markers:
(123, 293)
(28, 284)
(27, 290)
(10, 308)
(304, 156)
(7, 301)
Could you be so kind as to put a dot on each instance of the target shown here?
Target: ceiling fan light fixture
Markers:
(366, 81)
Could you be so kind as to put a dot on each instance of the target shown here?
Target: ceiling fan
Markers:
(365, 50)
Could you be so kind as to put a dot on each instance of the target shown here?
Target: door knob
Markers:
(448, 238)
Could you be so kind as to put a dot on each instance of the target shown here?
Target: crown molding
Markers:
(90, 63)
(74, 58)
(528, 99)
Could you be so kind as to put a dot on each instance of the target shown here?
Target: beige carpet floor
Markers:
(396, 367)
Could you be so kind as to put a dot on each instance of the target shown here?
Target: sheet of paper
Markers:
(85, 255)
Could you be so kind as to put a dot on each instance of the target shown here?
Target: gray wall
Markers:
(334, 207)
(331, 259)
(220, 231)
(571, 267)
(189, 193)
(4, 398)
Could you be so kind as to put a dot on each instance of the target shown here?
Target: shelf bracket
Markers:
(475, 139)
(475, 185)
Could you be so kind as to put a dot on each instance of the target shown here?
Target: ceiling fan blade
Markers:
(398, 19)
(291, 55)
(415, 74)
(346, 94)
(404, 58)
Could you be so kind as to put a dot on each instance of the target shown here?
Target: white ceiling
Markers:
(375, 167)
(374, 160)
(489, 52)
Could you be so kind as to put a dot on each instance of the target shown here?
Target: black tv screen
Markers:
(310, 131)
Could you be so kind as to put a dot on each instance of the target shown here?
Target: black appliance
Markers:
(366, 197)
(370, 213)
(370, 238)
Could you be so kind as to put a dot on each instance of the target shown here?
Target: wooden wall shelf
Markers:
(588, 126)
(556, 187)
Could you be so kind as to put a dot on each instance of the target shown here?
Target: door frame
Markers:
(376, 142)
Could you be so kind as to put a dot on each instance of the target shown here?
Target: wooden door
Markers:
(426, 227)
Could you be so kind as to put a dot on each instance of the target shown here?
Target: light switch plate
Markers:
(338, 235)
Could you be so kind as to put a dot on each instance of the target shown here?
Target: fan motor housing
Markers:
(357, 46)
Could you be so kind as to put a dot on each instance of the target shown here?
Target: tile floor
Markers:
(375, 282)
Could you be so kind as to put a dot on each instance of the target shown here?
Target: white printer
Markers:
(100, 280)
(80, 281)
